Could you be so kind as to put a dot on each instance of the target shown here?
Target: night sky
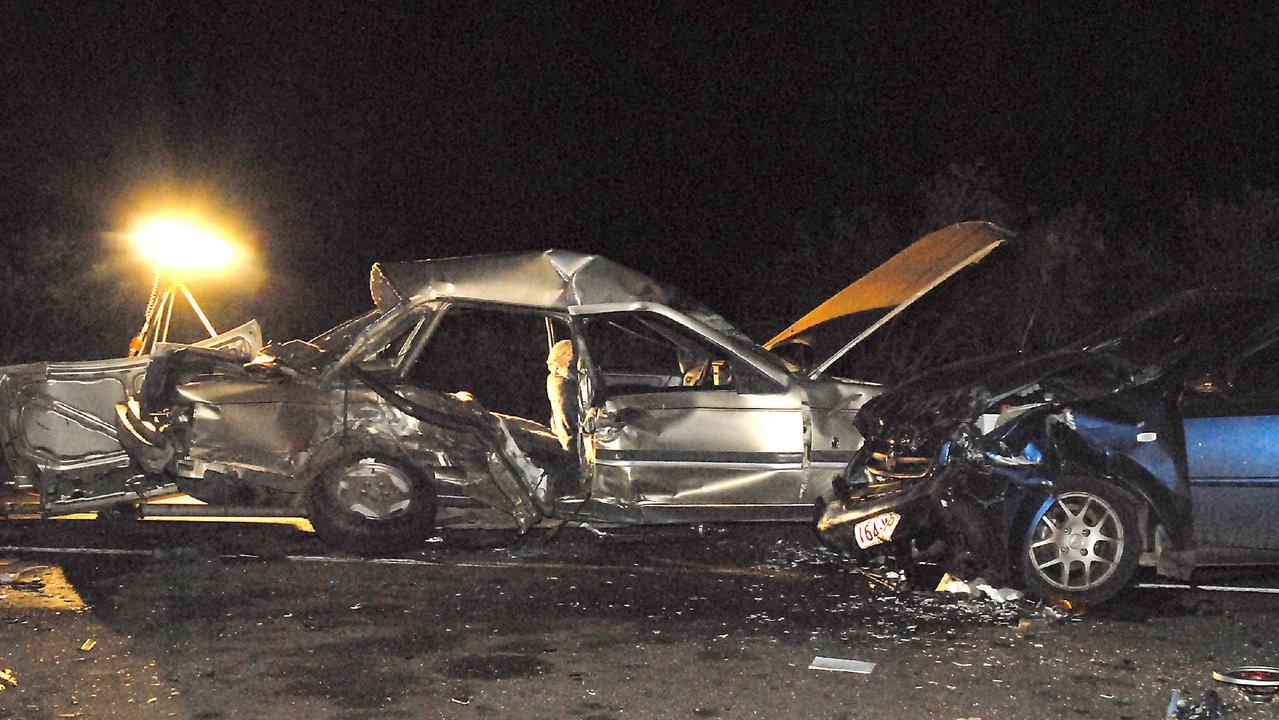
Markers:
(676, 140)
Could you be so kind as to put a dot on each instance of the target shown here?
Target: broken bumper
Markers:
(869, 505)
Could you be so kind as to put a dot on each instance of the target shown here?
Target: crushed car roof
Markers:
(550, 279)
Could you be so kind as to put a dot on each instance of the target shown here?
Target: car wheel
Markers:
(1084, 543)
(973, 548)
(372, 502)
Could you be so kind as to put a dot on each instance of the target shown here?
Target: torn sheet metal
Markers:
(555, 279)
(758, 443)
(243, 434)
(57, 423)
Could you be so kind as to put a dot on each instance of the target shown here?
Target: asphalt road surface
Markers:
(161, 620)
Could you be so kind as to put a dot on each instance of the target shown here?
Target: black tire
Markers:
(973, 548)
(1092, 553)
(371, 502)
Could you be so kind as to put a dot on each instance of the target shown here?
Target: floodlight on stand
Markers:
(176, 247)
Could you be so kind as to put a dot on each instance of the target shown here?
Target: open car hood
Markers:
(900, 281)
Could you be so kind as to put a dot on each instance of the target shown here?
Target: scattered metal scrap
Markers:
(977, 588)
(1209, 707)
(1257, 682)
(842, 665)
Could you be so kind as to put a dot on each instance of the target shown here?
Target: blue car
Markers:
(1154, 442)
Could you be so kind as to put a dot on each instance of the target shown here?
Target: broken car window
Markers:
(645, 352)
(1198, 326)
(336, 341)
(1257, 374)
(386, 354)
(498, 356)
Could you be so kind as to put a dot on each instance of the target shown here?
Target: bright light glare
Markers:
(176, 244)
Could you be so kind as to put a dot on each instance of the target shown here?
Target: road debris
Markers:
(7, 679)
(25, 577)
(29, 586)
(1257, 682)
(1209, 707)
(977, 588)
(841, 665)
(88, 645)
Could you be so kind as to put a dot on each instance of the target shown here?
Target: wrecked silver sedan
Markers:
(661, 411)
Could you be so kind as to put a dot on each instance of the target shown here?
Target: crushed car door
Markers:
(684, 428)
(505, 467)
(1231, 422)
(60, 425)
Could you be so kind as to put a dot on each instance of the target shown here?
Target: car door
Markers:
(61, 424)
(685, 428)
(1231, 421)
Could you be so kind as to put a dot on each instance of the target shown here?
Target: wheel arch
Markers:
(340, 447)
(348, 527)
(1158, 505)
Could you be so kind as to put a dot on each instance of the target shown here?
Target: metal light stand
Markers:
(155, 328)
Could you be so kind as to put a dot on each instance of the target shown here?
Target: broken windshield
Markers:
(1201, 323)
(333, 343)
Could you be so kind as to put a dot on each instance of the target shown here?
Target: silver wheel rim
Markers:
(374, 490)
(1077, 542)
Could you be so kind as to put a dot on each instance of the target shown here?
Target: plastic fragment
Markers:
(88, 645)
(841, 665)
(1209, 707)
(977, 588)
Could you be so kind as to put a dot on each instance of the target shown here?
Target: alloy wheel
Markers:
(375, 490)
(1077, 542)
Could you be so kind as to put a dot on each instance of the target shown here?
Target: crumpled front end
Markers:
(58, 437)
(16, 471)
(246, 435)
(936, 477)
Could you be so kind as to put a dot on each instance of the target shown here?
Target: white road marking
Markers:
(72, 551)
(1209, 588)
(490, 565)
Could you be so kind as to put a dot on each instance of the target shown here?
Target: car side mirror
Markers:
(1208, 384)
